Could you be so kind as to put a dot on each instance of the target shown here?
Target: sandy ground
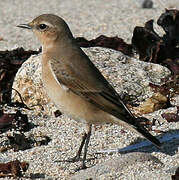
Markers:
(88, 19)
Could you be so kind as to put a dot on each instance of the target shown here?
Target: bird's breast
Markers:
(67, 102)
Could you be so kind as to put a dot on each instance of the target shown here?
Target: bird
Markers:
(75, 84)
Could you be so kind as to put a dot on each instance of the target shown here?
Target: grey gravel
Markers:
(88, 19)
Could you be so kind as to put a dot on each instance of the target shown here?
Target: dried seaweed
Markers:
(10, 62)
(115, 43)
(176, 176)
(173, 65)
(169, 89)
(17, 121)
(162, 50)
(13, 168)
(18, 141)
(147, 42)
(171, 117)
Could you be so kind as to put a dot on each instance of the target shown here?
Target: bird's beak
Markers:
(26, 26)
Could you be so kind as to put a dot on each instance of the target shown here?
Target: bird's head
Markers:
(48, 28)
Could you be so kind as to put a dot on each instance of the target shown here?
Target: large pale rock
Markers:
(125, 74)
(122, 167)
(28, 83)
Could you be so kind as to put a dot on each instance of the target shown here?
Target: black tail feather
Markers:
(148, 136)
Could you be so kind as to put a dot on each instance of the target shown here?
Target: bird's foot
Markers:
(81, 167)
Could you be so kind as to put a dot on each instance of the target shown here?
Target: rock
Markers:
(126, 74)
(118, 166)
(29, 84)
(154, 103)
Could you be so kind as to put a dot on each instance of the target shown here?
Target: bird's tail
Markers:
(144, 132)
(134, 125)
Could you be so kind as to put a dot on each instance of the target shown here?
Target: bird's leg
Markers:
(77, 157)
(86, 147)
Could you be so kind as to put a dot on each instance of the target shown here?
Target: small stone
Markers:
(147, 4)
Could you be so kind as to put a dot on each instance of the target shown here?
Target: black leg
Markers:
(77, 157)
(86, 148)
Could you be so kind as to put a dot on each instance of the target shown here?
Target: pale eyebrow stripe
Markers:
(47, 23)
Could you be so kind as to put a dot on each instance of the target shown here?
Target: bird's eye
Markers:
(42, 26)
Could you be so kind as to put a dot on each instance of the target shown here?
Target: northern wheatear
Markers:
(75, 85)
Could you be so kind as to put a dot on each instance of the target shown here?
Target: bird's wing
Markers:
(84, 79)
